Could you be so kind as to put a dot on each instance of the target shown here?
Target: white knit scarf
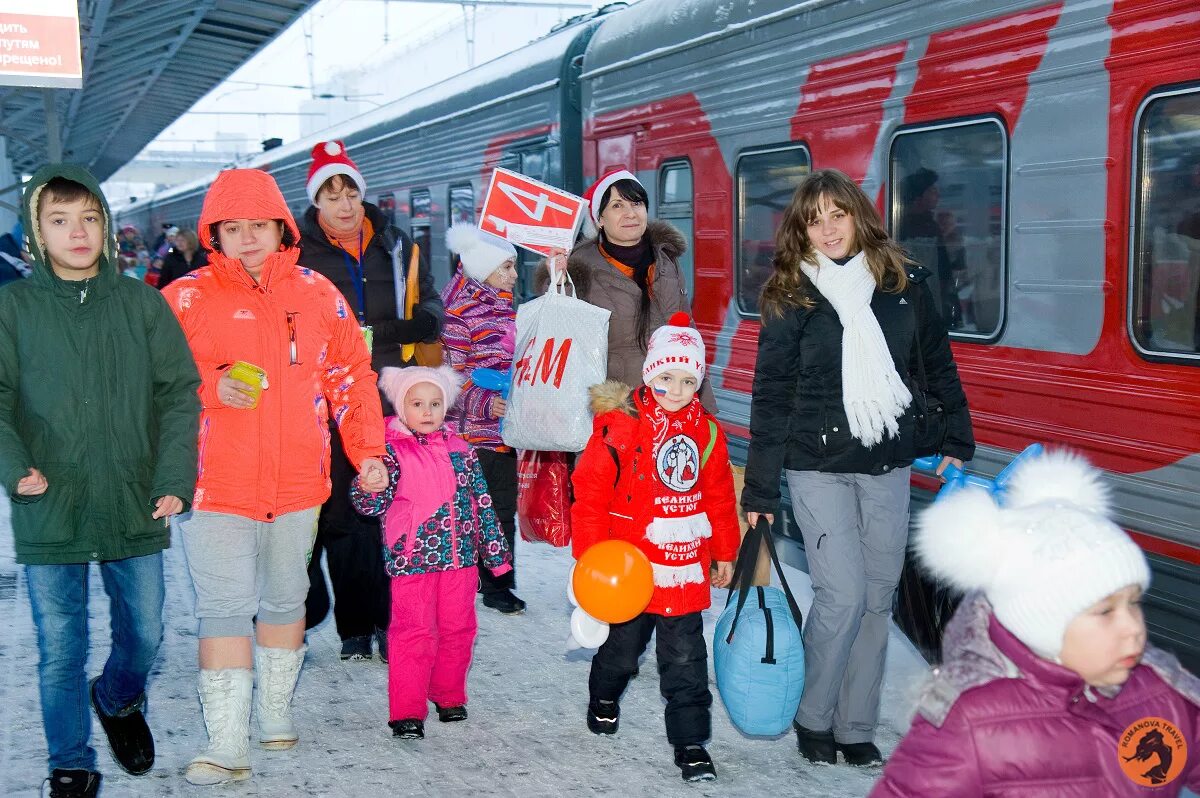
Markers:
(873, 394)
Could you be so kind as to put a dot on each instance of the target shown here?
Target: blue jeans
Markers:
(58, 595)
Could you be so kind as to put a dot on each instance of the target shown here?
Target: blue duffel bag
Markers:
(758, 653)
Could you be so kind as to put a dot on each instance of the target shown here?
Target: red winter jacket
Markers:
(294, 324)
(997, 721)
(675, 501)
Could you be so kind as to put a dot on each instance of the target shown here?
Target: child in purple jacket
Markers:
(479, 332)
(438, 522)
(1048, 689)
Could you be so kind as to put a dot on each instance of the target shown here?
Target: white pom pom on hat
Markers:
(332, 148)
(1049, 552)
(481, 252)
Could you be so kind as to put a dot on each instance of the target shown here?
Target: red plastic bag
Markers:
(544, 497)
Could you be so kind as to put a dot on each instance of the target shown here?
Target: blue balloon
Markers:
(957, 479)
(493, 380)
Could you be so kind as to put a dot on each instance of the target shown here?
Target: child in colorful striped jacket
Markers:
(479, 332)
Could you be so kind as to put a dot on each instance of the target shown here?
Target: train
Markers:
(1042, 158)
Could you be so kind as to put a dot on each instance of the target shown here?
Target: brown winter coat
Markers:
(599, 283)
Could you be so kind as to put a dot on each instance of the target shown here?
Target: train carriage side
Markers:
(1071, 303)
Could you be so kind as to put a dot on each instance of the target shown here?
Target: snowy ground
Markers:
(526, 735)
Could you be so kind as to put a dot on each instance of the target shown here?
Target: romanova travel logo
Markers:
(1152, 752)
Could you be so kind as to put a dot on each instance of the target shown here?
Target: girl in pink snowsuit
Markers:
(438, 521)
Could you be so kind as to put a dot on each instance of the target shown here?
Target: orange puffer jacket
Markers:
(295, 325)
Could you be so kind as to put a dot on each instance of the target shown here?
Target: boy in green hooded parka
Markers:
(98, 426)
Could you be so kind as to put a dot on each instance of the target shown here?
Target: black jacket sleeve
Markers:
(426, 323)
(942, 375)
(775, 375)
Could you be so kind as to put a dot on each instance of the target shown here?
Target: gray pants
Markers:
(855, 530)
(243, 569)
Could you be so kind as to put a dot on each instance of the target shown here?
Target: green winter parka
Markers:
(98, 391)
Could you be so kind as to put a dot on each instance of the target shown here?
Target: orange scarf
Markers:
(349, 241)
(628, 270)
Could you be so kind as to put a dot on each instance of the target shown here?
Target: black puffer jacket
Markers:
(389, 332)
(797, 420)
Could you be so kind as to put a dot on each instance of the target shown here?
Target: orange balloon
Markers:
(613, 581)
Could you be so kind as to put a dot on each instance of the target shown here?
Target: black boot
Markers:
(381, 643)
(408, 729)
(504, 602)
(861, 755)
(74, 783)
(356, 649)
(817, 747)
(694, 763)
(603, 717)
(128, 735)
(451, 714)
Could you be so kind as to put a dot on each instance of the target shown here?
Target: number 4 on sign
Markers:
(540, 202)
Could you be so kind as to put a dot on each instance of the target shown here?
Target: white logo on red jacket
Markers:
(678, 463)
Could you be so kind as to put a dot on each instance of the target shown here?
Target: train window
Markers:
(461, 202)
(948, 210)
(675, 206)
(387, 206)
(1164, 312)
(420, 218)
(766, 181)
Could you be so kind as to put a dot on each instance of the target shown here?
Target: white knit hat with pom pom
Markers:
(481, 252)
(1043, 557)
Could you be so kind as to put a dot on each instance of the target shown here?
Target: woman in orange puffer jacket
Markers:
(264, 460)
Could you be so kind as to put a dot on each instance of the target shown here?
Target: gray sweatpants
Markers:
(243, 569)
(855, 529)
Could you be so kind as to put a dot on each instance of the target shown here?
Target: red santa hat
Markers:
(329, 158)
(676, 345)
(595, 194)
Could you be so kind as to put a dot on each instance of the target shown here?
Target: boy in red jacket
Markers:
(656, 473)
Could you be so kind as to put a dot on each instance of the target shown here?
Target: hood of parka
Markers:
(247, 194)
(34, 241)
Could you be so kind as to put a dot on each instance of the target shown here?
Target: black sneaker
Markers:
(356, 649)
(381, 644)
(817, 747)
(74, 783)
(603, 717)
(451, 714)
(128, 735)
(861, 755)
(504, 602)
(694, 763)
(408, 729)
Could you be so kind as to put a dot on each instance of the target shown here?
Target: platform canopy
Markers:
(145, 62)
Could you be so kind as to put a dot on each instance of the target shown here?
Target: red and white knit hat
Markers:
(329, 158)
(675, 346)
(595, 193)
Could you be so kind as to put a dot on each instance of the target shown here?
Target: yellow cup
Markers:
(252, 375)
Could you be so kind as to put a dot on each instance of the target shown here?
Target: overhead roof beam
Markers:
(197, 15)
(91, 45)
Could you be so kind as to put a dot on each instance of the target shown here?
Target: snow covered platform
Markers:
(526, 735)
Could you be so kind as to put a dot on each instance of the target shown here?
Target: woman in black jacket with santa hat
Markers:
(387, 285)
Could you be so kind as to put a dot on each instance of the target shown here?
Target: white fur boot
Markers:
(278, 669)
(225, 698)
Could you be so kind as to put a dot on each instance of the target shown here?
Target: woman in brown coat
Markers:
(631, 268)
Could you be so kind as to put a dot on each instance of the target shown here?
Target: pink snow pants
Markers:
(430, 638)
